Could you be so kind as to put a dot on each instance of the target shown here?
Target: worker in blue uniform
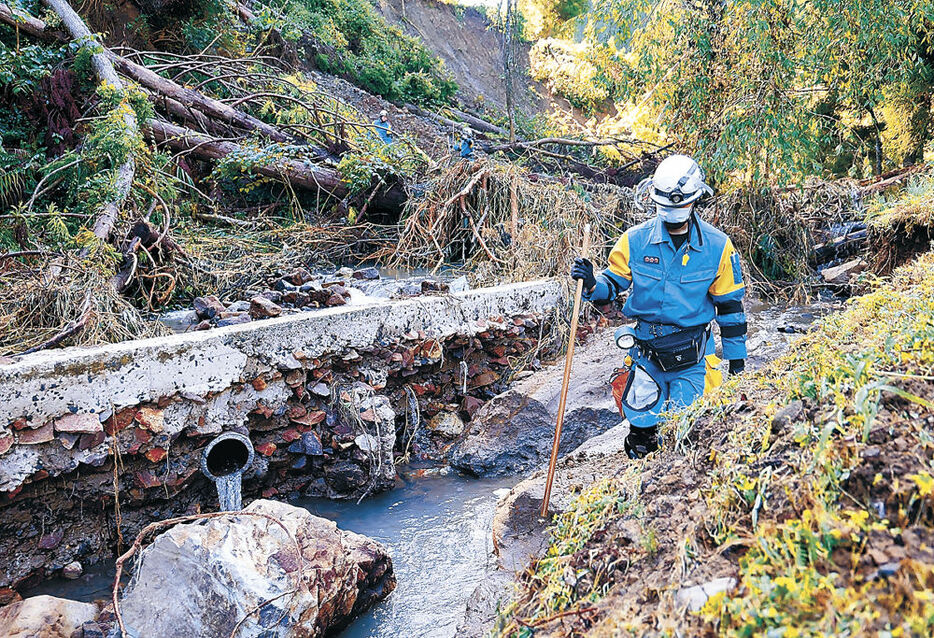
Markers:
(384, 127)
(684, 273)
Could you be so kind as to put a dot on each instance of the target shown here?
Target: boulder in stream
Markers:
(200, 579)
(44, 617)
(513, 431)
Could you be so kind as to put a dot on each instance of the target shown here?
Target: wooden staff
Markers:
(585, 248)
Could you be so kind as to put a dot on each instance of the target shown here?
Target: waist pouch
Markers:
(678, 350)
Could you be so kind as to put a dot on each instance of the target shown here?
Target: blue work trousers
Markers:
(676, 390)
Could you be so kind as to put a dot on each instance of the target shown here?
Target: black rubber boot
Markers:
(641, 441)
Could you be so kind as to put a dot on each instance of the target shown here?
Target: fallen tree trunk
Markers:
(306, 175)
(27, 24)
(80, 33)
(190, 99)
(185, 103)
(557, 141)
(474, 123)
(479, 125)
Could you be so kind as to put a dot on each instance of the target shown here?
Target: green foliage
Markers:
(22, 69)
(374, 55)
(568, 68)
(547, 18)
(765, 91)
(214, 25)
(377, 162)
(906, 210)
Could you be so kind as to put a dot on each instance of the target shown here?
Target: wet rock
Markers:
(263, 308)
(345, 477)
(841, 274)
(308, 444)
(284, 286)
(202, 325)
(447, 424)
(198, 580)
(429, 285)
(239, 306)
(320, 389)
(368, 274)
(513, 431)
(44, 617)
(299, 276)
(695, 597)
(208, 307)
(51, 540)
(367, 442)
(234, 319)
(151, 418)
(72, 570)
(272, 295)
(180, 320)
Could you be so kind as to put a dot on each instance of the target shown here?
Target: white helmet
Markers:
(677, 184)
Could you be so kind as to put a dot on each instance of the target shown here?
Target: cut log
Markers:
(479, 125)
(190, 99)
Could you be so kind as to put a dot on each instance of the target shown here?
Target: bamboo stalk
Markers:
(585, 249)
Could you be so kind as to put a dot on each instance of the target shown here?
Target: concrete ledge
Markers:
(100, 379)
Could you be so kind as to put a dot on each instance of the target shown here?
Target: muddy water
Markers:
(437, 529)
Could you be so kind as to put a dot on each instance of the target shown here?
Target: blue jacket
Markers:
(466, 148)
(384, 130)
(689, 287)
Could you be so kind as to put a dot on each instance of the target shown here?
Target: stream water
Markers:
(437, 529)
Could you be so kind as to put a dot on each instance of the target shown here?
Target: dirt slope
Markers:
(471, 50)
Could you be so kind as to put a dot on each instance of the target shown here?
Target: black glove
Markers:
(583, 270)
(737, 366)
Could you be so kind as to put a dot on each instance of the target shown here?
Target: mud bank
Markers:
(97, 442)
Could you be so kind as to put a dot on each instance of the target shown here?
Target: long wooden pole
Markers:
(585, 248)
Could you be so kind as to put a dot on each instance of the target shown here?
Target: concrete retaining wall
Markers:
(321, 395)
(49, 384)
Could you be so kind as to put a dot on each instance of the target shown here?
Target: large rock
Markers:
(44, 617)
(513, 432)
(198, 580)
(844, 272)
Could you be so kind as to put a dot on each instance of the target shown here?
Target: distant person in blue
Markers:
(684, 273)
(384, 127)
(465, 147)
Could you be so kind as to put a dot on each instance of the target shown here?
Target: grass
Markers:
(909, 208)
(825, 515)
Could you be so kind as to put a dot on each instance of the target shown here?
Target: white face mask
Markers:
(674, 215)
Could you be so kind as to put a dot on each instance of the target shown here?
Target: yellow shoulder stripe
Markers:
(724, 283)
(619, 258)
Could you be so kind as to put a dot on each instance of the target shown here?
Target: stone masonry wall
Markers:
(97, 442)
